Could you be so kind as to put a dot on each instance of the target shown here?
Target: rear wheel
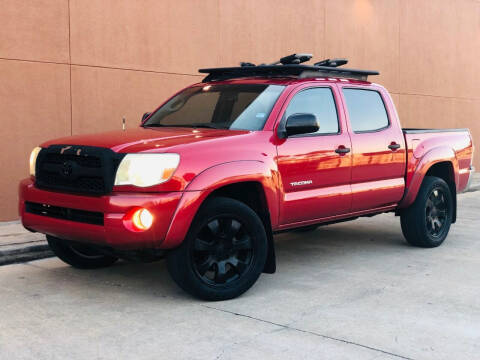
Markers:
(224, 252)
(79, 255)
(427, 221)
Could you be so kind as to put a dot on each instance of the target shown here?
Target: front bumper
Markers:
(114, 206)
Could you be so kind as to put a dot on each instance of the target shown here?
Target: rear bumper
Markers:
(114, 206)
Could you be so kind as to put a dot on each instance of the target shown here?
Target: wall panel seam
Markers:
(324, 52)
(35, 61)
(139, 70)
(399, 39)
(70, 68)
(436, 96)
(199, 75)
(101, 67)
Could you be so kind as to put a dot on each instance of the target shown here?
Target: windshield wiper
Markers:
(207, 125)
(152, 125)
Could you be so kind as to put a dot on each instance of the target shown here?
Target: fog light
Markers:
(139, 219)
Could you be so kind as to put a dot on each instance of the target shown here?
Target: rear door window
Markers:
(366, 110)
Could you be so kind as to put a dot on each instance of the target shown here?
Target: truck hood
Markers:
(145, 139)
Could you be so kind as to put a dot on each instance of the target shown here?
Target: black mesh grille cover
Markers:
(78, 169)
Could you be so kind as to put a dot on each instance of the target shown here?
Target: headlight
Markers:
(33, 159)
(146, 169)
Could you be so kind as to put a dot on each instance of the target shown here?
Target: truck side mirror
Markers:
(301, 124)
(146, 115)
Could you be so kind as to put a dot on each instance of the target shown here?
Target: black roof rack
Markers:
(288, 66)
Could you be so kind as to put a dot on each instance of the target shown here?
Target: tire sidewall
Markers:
(433, 183)
(64, 252)
(181, 262)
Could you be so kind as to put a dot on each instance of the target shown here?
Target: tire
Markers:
(78, 255)
(427, 221)
(224, 252)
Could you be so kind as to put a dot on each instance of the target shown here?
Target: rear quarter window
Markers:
(366, 110)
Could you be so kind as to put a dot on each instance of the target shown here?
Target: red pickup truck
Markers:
(212, 174)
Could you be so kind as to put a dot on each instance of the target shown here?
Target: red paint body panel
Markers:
(313, 158)
(370, 179)
(114, 206)
(377, 172)
(427, 149)
(215, 177)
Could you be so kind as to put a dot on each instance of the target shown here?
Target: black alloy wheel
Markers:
(224, 252)
(436, 212)
(427, 221)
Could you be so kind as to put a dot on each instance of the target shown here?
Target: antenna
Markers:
(123, 123)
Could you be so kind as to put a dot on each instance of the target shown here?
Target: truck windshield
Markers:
(236, 107)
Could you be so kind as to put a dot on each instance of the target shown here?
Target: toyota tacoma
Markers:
(211, 175)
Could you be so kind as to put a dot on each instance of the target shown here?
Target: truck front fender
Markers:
(422, 165)
(215, 178)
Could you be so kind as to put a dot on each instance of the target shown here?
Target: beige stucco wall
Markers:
(77, 66)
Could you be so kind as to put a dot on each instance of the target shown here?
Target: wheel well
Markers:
(444, 170)
(251, 193)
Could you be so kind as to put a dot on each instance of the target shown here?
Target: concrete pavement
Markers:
(19, 245)
(475, 182)
(346, 291)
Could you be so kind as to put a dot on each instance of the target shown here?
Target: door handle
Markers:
(394, 146)
(342, 150)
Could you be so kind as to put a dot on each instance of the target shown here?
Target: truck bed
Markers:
(425, 130)
(419, 142)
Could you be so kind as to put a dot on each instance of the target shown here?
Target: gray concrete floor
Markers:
(19, 245)
(347, 291)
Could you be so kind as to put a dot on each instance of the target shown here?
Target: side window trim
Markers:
(340, 130)
(384, 105)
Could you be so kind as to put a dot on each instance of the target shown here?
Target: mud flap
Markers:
(271, 263)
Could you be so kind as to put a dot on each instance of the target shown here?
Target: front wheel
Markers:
(79, 255)
(224, 252)
(427, 221)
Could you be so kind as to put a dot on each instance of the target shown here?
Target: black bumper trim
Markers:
(57, 212)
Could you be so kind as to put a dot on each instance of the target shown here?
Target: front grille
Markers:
(53, 180)
(87, 217)
(90, 161)
(79, 169)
